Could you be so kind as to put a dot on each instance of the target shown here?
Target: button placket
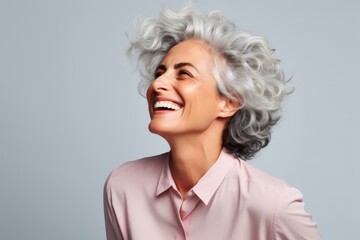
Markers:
(188, 205)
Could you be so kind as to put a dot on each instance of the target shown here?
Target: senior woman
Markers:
(214, 92)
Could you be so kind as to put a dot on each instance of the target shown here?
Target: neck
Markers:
(192, 155)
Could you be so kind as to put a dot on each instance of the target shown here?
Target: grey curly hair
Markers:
(244, 69)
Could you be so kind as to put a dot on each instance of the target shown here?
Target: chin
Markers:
(156, 129)
(161, 130)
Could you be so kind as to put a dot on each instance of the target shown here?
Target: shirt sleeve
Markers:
(291, 221)
(112, 226)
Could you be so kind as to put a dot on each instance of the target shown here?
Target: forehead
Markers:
(192, 50)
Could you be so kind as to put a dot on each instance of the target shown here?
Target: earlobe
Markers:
(229, 108)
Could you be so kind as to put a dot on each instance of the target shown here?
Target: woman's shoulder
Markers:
(261, 185)
(137, 171)
(142, 164)
(281, 203)
(257, 185)
(260, 178)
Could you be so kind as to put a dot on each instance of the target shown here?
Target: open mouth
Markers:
(166, 106)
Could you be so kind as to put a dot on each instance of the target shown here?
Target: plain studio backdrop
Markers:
(70, 111)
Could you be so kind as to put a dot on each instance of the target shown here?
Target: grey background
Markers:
(70, 111)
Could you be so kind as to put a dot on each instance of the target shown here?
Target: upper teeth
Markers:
(166, 104)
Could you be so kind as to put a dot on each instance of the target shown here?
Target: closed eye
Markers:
(157, 74)
(159, 71)
(184, 73)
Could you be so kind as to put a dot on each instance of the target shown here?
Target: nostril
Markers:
(160, 88)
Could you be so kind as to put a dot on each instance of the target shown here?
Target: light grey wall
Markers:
(70, 111)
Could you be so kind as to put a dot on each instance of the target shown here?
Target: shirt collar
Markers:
(165, 181)
(208, 184)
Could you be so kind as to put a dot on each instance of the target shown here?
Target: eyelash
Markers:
(180, 72)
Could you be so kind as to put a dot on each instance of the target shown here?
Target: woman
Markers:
(214, 92)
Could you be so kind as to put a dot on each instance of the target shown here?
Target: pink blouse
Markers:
(233, 200)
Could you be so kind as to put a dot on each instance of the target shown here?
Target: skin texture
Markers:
(194, 132)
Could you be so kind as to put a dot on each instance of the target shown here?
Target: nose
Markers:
(161, 83)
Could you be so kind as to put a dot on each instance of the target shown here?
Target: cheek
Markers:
(189, 89)
(200, 102)
(199, 93)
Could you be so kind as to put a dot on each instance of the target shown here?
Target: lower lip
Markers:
(164, 111)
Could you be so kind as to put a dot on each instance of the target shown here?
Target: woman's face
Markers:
(183, 98)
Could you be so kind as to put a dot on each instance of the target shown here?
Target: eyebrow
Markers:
(177, 66)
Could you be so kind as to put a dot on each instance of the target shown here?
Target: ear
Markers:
(229, 107)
